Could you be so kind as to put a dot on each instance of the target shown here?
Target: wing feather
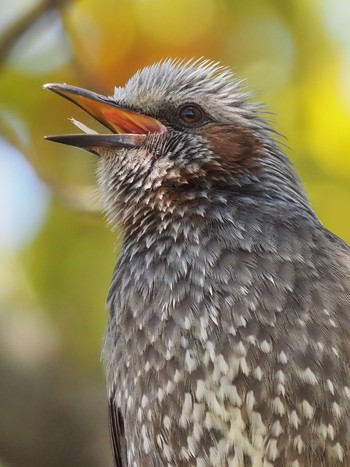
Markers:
(117, 433)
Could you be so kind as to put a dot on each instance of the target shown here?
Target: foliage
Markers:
(53, 284)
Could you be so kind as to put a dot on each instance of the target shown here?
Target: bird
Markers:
(228, 336)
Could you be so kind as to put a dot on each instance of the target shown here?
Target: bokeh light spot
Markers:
(24, 200)
(43, 48)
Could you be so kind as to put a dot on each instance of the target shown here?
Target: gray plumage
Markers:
(228, 339)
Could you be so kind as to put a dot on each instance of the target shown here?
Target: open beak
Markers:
(129, 128)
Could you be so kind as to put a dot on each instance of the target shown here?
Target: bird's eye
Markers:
(190, 114)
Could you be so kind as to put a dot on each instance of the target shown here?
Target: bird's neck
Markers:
(236, 220)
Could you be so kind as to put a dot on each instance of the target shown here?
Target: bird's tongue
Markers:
(114, 117)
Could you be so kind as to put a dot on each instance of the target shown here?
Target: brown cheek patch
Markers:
(237, 149)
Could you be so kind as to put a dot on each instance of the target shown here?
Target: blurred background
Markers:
(56, 255)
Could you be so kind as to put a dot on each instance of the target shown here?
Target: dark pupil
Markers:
(189, 114)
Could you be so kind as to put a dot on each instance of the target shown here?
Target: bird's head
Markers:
(181, 132)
